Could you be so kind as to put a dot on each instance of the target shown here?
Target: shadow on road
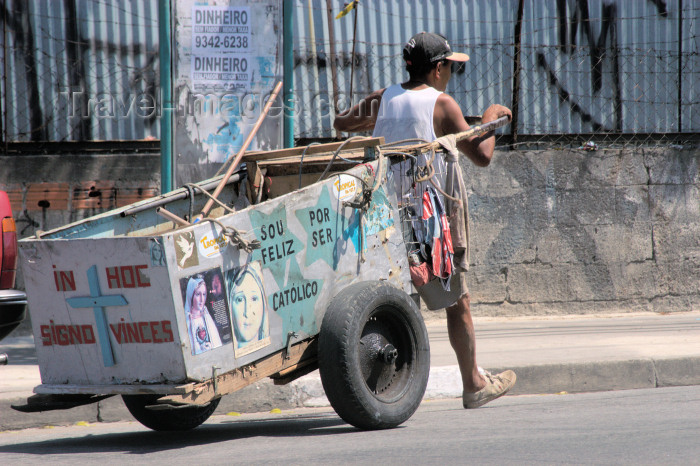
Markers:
(140, 442)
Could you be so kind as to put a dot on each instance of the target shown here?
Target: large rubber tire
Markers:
(370, 385)
(177, 419)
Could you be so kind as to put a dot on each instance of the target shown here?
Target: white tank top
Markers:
(406, 114)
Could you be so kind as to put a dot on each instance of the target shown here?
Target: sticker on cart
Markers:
(186, 250)
(345, 187)
(212, 243)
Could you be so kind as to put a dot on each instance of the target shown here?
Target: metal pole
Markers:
(515, 106)
(352, 66)
(288, 64)
(166, 90)
(312, 44)
(680, 66)
(331, 44)
(4, 78)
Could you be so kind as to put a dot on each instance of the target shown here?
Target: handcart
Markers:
(300, 263)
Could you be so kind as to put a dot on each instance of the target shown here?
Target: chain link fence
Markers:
(581, 73)
(574, 71)
(79, 70)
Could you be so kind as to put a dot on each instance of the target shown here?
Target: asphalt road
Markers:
(649, 426)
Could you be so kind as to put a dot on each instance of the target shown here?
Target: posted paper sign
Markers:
(221, 46)
(226, 61)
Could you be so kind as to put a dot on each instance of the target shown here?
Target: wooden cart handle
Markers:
(475, 130)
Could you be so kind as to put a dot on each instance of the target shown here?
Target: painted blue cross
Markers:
(98, 302)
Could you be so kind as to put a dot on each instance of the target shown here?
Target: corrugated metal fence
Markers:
(610, 71)
(79, 70)
(624, 72)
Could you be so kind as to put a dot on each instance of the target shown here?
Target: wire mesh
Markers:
(575, 71)
(79, 70)
(600, 72)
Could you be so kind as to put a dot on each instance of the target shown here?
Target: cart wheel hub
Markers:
(388, 354)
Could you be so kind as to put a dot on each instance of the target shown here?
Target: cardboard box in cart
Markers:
(131, 303)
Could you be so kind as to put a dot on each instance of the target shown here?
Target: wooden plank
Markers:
(255, 181)
(72, 389)
(285, 169)
(310, 150)
(311, 159)
(199, 393)
(292, 373)
(204, 392)
(311, 164)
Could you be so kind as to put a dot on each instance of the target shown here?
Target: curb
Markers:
(444, 382)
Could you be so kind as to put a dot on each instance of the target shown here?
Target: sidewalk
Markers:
(549, 355)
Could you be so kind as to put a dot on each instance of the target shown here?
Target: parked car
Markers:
(13, 303)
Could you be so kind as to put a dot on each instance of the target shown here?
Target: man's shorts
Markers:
(434, 295)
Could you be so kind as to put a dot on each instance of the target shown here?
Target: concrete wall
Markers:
(47, 191)
(576, 232)
(553, 232)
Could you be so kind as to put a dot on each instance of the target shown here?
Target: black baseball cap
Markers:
(427, 48)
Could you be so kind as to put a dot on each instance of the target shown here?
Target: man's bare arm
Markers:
(449, 118)
(361, 117)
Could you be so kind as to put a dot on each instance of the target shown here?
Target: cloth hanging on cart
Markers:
(457, 206)
(438, 239)
(446, 174)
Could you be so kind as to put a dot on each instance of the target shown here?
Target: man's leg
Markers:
(460, 329)
(478, 390)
